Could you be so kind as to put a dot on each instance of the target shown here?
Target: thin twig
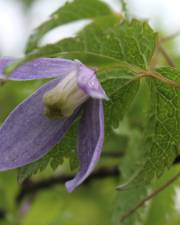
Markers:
(171, 36)
(149, 197)
(166, 56)
(2, 214)
(177, 160)
(29, 187)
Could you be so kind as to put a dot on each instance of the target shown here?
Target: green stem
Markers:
(171, 36)
(166, 56)
(161, 78)
(149, 197)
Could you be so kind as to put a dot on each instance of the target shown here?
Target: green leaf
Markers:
(126, 200)
(103, 41)
(71, 11)
(162, 135)
(132, 128)
(121, 86)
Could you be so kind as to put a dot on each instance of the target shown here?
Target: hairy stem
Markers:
(159, 77)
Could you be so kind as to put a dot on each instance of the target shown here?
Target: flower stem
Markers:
(159, 77)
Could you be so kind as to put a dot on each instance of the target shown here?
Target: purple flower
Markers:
(28, 134)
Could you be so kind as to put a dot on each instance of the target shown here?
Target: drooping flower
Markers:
(42, 120)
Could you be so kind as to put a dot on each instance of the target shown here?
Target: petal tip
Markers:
(99, 95)
(70, 186)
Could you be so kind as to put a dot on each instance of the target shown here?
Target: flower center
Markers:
(62, 100)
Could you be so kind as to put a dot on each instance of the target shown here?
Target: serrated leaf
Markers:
(121, 85)
(134, 159)
(162, 136)
(71, 11)
(103, 41)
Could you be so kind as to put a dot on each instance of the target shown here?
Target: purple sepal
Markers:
(38, 68)
(91, 139)
(88, 82)
(27, 134)
(52, 68)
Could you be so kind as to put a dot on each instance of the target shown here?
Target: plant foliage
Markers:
(121, 51)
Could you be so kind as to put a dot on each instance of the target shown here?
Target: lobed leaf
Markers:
(106, 41)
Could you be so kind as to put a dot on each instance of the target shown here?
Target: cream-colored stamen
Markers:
(63, 99)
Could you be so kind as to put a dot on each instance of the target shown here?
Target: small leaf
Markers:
(71, 11)
(132, 42)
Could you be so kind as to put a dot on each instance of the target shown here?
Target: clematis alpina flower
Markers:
(42, 120)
